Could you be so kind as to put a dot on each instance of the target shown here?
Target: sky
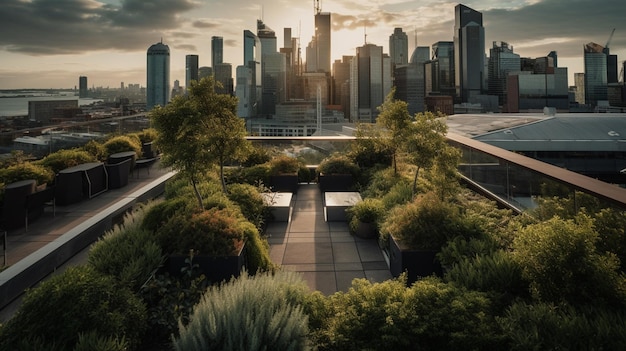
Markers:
(48, 44)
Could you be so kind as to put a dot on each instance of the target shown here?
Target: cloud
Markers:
(204, 24)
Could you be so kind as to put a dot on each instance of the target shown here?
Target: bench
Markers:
(279, 205)
(336, 204)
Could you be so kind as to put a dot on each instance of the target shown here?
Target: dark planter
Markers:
(284, 183)
(417, 263)
(335, 182)
(215, 268)
(365, 230)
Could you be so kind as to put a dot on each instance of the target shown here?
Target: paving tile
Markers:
(345, 278)
(339, 226)
(325, 282)
(345, 252)
(277, 252)
(350, 266)
(369, 251)
(368, 266)
(307, 253)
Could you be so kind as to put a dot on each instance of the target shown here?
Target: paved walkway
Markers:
(328, 257)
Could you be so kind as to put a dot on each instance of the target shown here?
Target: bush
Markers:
(426, 223)
(147, 135)
(62, 159)
(123, 143)
(430, 315)
(212, 232)
(127, 252)
(77, 301)
(24, 171)
(96, 149)
(250, 202)
(91, 341)
(161, 212)
(257, 250)
(284, 165)
(254, 175)
(367, 211)
(258, 155)
(249, 313)
(338, 164)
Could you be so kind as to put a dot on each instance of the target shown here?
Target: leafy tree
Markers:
(393, 123)
(200, 130)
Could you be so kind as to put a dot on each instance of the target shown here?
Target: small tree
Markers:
(200, 130)
(393, 123)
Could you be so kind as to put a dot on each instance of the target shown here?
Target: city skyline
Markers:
(52, 43)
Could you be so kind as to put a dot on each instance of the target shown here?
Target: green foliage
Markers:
(24, 171)
(381, 183)
(250, 202)
(200, 130)
(147, 135)
(96, 149)
(65, 158)
(394, 123)
(258, 155)
(254, 175)
(369, 210)
(559, 259)
(543, 326)
(429, 315)
(249, 313)
(366, 151)
(212, 232)
(92, 341)
(123, 143)
(127, 252)
(161, 212)
(427, 223)
(79, 300)
(257, 250)
(611, 227)
(338, 164)
(283, 164)
(399, 194)
(171, 299)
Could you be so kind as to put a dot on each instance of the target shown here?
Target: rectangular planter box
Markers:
(216, 269)
(336, 182)
(284, 183)
(416, 263)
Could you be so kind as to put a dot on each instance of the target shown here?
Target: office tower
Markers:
(410, 80)
(249, 81)
(217, 51)
(274, 70)
(554, 56)
(311, 53)
(204, 72)
(442, 69)
(595, 73)
(158, 75)
(322, 39)
(469, 52)
(191, 70)
(370, 82)
(341, 76)
(224, 75)
(82, 87)
(399, 47)
(291, 50)
(502, 60)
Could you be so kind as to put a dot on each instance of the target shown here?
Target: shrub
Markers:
(127, 252)
(212, 232)
(58, 161)
(160, 213)
(544, 326)
(249, 313)
(284, 164)
(367, 211)
(430, 315)
(79, 300)
(123, 143)
(91, 341)
(426, 223)
(147, 135)
(24, 171)
(254, 175)
(96, 149)
(257, 250)
(559, 259)
(250, 202)
(381, 183)
(338, 164)
(399, 194)
(258, 155)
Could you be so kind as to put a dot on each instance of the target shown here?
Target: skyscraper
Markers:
(469, 52)
(248, 87)
(158, 75)
(399, 47)
(82, 87)
(595, 73)
(322, 39)
(371, 81)
(410, 80)
(217, 51)
(191, 70)
(442, 69)
(502, 60)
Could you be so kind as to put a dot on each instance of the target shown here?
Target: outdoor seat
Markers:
(118, 173)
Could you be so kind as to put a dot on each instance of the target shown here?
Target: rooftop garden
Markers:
(548, 279)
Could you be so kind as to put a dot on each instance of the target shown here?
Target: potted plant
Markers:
(283, 171)
(364, 217)
(337, 173)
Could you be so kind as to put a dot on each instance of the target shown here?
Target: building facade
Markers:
(370, 78)
(502, 61)
(191, 70)
(399, 47)
(596, 79)
(158, 76)
(217, 51)
(83, 90)
(469, 52)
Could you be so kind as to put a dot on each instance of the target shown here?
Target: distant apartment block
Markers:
(82, 87)
(47, 111)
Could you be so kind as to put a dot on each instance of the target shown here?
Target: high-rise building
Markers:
(595, 74)
(205, 71)
(82, 87)
(249, 81)
(322, 39)
(502, 60)
(224, 75)
(442, 69)
(274, 70)
(191, 70)
(370, 78)
(469, 52)
(158, 75)
(217, 51)
(410, 80)
(399, 47)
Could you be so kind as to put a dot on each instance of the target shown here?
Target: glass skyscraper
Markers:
(502, 60)
(191, 70)
(469, 52)
(595, 74)
(322, 39)
(442, 68)
(158, 76)
(217, 51)
(399, 47)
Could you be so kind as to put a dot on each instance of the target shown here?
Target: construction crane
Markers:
(610, 38)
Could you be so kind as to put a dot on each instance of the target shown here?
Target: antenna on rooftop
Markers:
(365, 32)
(317, 7)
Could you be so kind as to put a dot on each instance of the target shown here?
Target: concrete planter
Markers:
(417, 263)
(366, 230)
(284, 183)
(215, 268)
(335, 182)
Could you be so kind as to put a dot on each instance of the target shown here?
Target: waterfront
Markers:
(16, 104)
